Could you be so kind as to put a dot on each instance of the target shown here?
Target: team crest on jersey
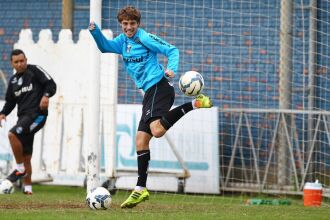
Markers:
(128, 48)
(20, 81)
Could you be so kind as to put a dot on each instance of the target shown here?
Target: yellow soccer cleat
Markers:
(203, 101)
(135, 198)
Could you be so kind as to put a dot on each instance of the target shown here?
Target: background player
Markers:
(30, 88)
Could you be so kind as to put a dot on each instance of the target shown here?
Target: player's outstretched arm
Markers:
(104, 45)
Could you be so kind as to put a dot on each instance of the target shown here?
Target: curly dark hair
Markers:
(129, 13)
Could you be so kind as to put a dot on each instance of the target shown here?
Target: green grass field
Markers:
(58, 202)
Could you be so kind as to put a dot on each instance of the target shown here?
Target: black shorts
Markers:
(157, 101)
(26, 127)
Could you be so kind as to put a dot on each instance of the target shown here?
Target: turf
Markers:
(59, 202)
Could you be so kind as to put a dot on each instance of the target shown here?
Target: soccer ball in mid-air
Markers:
(6, 187)
(191, 83)
(98, 198)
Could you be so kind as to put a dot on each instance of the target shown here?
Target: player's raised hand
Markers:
(2, 117)
(91, 25)
(169, 73)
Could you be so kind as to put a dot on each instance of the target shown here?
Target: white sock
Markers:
(28, 188)
(20, 167)
(139, 188)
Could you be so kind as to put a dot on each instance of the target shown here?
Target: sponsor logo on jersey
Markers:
(133, 59)
(24, 89)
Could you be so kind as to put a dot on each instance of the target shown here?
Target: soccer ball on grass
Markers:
(98, 198)
(6, 187)
(191, 83)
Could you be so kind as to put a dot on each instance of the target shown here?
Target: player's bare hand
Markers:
(169, 73)
(44, 103)
(2, 117)
(91, 25)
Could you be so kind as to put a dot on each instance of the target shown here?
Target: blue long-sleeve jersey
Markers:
(139, 54)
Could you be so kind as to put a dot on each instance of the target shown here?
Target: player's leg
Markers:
(143, 158)
(27, 152)
(158, 100)
(38, 123)
(21, 137)
(140, 192)
(17, 148)
(16, 140)
(160, 126)
(27, 179)
(157, 103)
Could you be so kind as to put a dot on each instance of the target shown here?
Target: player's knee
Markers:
(158, 131)
(139, 143)
(142, 140)
(157, 134)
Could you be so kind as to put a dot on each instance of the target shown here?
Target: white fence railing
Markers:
(249, 158)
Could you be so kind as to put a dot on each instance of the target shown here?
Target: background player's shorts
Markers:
(26, 127)
(157, 101)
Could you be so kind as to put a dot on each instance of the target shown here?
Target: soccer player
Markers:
(139, 51)
(30, 88)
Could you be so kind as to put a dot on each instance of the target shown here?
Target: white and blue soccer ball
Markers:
(99, 198)
(191, 83)
(6, 187)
